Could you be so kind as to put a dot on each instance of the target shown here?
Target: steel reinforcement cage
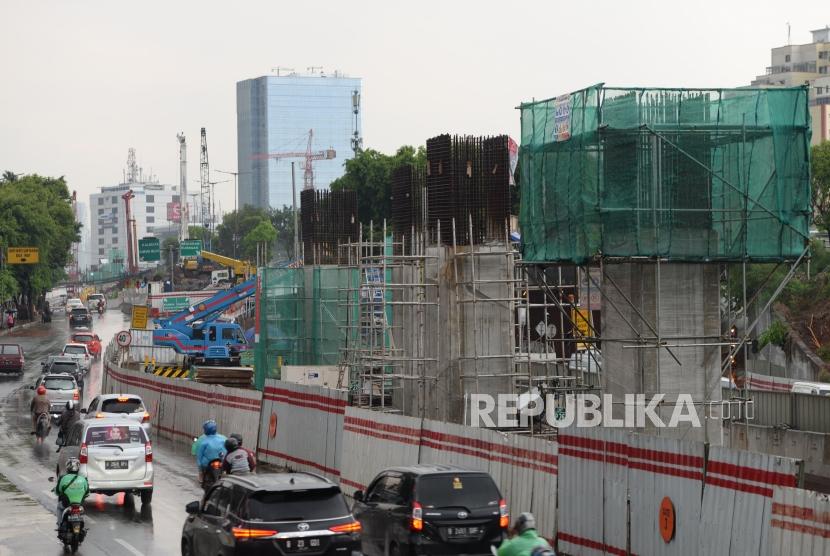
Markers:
(681, 174)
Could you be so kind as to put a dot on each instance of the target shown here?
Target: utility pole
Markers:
(294, 203)
(172, 269)
(235, 205)
(183, 210)
(357, 141)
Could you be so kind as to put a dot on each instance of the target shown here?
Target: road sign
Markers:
(139, 319)
(23, 255)
(175, 304)
(149, 249)
(123, 338)
(190, 247)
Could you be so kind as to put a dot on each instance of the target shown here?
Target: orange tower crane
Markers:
(308, 155)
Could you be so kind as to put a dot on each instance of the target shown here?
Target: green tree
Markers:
(263, 233)
(238, 223)
(170, 242)
(370, 174)
(36, 211)
(283, 221)
(820, 171)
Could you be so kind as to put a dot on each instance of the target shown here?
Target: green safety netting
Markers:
(685, 174)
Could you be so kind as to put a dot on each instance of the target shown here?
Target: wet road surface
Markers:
(117, 524)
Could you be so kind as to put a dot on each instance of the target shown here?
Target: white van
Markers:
(815, 388)
(220, 277)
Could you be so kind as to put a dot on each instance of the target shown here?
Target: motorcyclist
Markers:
(72, 487)
(251, 454)
(68, 417)
(209, 446)
(100, 306)
(236, 458)
(524, 540)
(40, 404)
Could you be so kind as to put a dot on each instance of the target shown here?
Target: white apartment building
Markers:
(108, 221)
(805, 64)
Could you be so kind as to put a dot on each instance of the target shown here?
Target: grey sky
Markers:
(85, 80)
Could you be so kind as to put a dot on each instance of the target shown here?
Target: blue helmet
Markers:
(209, 427)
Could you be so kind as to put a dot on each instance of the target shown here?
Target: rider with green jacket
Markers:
(525, 540)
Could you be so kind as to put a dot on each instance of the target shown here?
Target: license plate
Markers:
(76, 517)
(301, 545)
(117, 464)
(463, 532)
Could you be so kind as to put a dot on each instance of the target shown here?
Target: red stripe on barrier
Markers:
(316, 398)
(487, 457)
(742, 487)
(381, 435)
(407, 431)
(799, 528)
(588, 543)
(603, 458)
(742, 472)
(352, 484)
(800, 512)
(297, 403)
(300, 461)
(592, 444)
(666, 457)
(663, 470)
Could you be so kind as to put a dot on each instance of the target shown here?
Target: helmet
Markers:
(73, 465)
(209, 427)
(70, 405)
(41, 389)
(238, 437)
(524, 522)
(231, 444)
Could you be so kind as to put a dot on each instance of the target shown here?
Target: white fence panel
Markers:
(800, 524)
(664, 467)
(374, 441)
(737, 500)
(615, 510)
(301, 427)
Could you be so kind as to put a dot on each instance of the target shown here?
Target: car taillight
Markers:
(76, 510)
(416, 523)
(148, 452)
(244, 533)
(145, 418)
(353, 527)
(76, 395)
(504, 516)
(99, 415)
(216, 464)
(82, 456)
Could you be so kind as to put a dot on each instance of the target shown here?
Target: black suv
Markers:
(280, 514)
(80, 316)
(431, 509)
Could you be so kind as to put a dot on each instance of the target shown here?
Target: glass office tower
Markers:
(274, 114)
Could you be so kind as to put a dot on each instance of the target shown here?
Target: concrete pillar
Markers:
(689, 306)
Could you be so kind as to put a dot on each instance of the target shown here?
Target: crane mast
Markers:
(309, 157)
(207, 212)
(183, 209)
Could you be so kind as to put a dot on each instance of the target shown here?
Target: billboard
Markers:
(174, 212)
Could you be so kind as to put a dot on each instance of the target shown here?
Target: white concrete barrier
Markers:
(800, 523)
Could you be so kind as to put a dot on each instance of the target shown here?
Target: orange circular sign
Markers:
(667, 520)
(272, 425)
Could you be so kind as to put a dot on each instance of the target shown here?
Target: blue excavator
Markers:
(200, 334)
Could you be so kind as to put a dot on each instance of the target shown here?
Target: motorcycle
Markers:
(100, 308)
(72, 531)
(212, 474)
(42, 427)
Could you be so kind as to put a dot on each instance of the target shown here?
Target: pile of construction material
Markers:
(239, 377)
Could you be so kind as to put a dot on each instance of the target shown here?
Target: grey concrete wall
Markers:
(797, 361)
(688, 300)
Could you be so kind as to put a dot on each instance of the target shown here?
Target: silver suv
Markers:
(60, 388)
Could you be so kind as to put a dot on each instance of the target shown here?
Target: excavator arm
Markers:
(208, 309)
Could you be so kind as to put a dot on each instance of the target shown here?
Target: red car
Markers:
(92, 341)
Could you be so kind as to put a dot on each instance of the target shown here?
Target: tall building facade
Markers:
(805, 64)
(108, 221)
(274, 115)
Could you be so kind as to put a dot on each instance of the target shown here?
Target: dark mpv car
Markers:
(279, 514)
(431, 509)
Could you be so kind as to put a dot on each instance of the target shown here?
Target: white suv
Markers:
(115, 454)
(80, 353)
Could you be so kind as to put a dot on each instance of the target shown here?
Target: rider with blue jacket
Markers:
(209, 446)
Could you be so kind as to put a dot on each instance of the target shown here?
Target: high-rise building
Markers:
(274, 114)
(153, 204)
(805, 64)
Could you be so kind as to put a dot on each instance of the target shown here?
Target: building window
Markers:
(100, 251)
(149, 229)
(100, 200)
(115, 220)
(822, 69)
(114, 200)
(114, 210)
(787, 58)
(115, 239)
(114, 230)
(151, 198)
(100, 231)
(176, 198)
(100, 241)
(151, 219)
(823, 54)
(100, 211)
(151, 209)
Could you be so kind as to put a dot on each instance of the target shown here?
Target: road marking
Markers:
(25, 478)
(49, 493)
(129, 547)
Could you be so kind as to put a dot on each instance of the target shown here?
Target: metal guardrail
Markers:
(805, 412)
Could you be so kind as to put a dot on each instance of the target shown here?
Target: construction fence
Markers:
(805, 412)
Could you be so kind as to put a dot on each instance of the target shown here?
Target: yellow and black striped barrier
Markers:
(171, 372)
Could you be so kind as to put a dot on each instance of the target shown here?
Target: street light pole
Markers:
(235, 205)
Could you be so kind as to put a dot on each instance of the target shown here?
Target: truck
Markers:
(214, 264)
(200, 333)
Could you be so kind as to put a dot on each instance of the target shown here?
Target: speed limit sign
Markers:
(123, 338)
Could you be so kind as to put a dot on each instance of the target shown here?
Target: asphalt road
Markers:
(117, 525)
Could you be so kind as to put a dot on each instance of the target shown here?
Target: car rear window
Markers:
(296, 505)
(451, 491)
(116, 434)
(96, 296)
(64, 367)
(115, 405)
(75, 350)
(82, 337)
(79, 311)
(10, 349)
(59, 384)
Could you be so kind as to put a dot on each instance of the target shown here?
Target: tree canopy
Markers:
(370, 174)
(820, 170)
(35, 211)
